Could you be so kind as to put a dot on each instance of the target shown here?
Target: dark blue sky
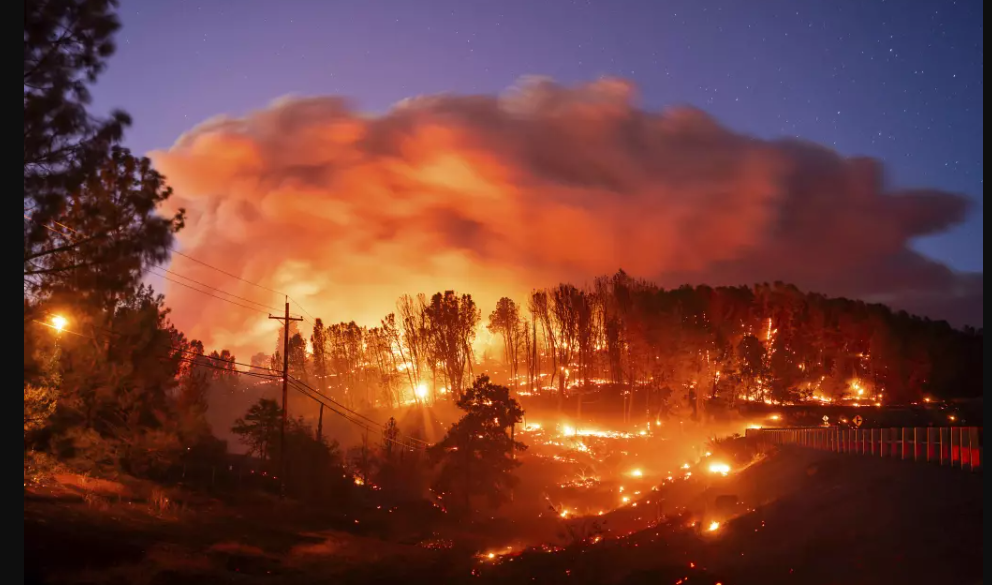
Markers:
(901, 81)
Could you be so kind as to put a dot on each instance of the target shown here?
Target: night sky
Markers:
(897, 80)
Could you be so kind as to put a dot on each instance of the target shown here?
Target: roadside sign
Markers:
(857, 420)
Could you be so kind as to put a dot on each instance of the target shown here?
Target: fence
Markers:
(959, 447)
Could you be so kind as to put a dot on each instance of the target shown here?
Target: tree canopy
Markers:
(476, 458)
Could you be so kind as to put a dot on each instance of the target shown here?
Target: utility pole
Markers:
(285, 392)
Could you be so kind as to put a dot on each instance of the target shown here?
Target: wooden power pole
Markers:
(285, 392)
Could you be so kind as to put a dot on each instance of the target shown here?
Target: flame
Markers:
(720, 468)
(714, 526)
(421, 391)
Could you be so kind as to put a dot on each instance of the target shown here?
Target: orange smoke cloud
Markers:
(495, 195)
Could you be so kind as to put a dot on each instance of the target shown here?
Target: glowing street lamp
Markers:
(59, 322)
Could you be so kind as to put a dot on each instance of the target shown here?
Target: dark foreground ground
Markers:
(807, 518)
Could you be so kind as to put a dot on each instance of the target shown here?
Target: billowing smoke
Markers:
(496, 195)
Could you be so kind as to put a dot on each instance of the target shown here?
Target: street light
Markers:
(59, 322)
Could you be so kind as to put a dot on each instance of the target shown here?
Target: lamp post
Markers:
(58, 323)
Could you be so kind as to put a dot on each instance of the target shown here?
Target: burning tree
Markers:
(505, 322)
(451, 322)
(476, 457)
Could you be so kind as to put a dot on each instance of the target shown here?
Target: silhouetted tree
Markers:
(259, 429)
(476, 457)
(451, 322)
(505, 322)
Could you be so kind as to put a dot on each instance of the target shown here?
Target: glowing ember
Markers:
(625, 500)
(775, 417)
(637, 473)
(720, 468)
(568, 431)
(359, 481)
(714, 526)
(686, 466)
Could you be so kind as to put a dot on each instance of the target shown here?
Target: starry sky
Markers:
(901, 81)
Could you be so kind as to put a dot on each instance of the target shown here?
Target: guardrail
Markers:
(959, 447)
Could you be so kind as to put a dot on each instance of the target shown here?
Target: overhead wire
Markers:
(211, 287)
(166, 345)
(316, 396)
(343, 407)
(174, 281)
(334, 406)
(153, 269)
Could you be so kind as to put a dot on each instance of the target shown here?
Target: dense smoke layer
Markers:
(495, 195)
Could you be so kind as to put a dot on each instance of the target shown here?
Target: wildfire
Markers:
(714, 526)
(637, 473)
(720, 468)
(421, 391)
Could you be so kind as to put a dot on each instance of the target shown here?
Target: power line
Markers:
(367, 424)
(175, 251)
(212, 295)
(301, 308)
(220, 359)
(200, 262)
(312, 389)
(195, 354)
(194, 362)
(210, 287)
(343, 407)
(358, 423)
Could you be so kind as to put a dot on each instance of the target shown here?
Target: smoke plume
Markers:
(496, 195)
